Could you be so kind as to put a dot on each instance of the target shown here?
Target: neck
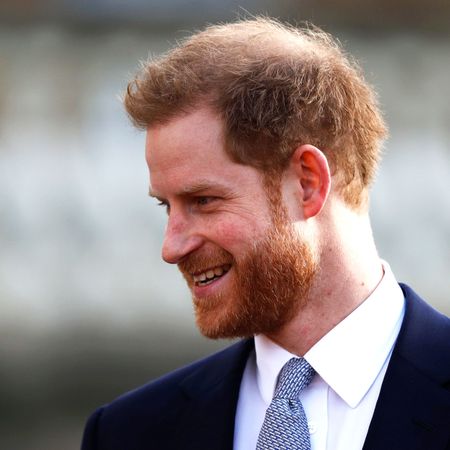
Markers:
(349, 271)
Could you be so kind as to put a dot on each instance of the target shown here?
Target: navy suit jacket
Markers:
(194, 407)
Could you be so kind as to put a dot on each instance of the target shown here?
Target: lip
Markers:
(212, 288)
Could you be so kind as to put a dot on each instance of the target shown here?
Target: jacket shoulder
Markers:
(413, 407)
(132, 416)
(424, 338)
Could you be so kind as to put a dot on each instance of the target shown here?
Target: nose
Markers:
(180, 239)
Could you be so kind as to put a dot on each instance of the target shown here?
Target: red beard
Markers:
(268, 286)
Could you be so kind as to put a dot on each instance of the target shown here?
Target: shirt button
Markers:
(312, 427)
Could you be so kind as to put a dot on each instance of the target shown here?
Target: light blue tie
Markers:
(285, 426)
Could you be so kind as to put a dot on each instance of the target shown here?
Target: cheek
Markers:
(232, 235)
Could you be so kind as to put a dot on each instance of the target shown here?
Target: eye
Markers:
(205, 202)
(201, 201)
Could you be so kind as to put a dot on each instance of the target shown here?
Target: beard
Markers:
(268, 285)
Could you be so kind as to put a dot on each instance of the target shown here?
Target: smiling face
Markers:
(246, 267)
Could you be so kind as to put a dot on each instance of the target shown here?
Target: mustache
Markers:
(201, 261)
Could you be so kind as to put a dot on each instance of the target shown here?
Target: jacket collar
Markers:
(413, 409)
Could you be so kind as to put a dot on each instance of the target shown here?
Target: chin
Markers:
(223, 323)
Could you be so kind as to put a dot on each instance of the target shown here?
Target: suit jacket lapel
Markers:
(212, 393)
(413, 409)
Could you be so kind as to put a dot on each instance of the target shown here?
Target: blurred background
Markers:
(87, 309)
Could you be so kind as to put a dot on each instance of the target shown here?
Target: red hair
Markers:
(275, 87)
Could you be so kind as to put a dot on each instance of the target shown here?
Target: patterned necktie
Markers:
(285, 426)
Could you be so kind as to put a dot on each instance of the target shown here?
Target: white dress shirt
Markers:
(350, 363)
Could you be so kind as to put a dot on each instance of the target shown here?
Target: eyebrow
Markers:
(199, 186)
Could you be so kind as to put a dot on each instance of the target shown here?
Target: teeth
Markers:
(209, 276)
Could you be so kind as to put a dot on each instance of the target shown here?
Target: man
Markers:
(262, 143)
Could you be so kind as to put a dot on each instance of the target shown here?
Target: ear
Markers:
(311, 168)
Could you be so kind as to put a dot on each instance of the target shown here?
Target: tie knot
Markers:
(295, 376)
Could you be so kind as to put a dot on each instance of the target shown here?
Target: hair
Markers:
(275, 87)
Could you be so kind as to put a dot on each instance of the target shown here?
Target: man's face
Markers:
(244, 262)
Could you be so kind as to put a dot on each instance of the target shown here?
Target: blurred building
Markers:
(87, 307)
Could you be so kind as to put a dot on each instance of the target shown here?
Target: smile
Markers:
(210, 275)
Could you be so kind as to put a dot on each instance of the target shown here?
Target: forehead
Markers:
(190, 148)
(188, 136)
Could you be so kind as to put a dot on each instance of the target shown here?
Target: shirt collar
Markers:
(350, 356)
